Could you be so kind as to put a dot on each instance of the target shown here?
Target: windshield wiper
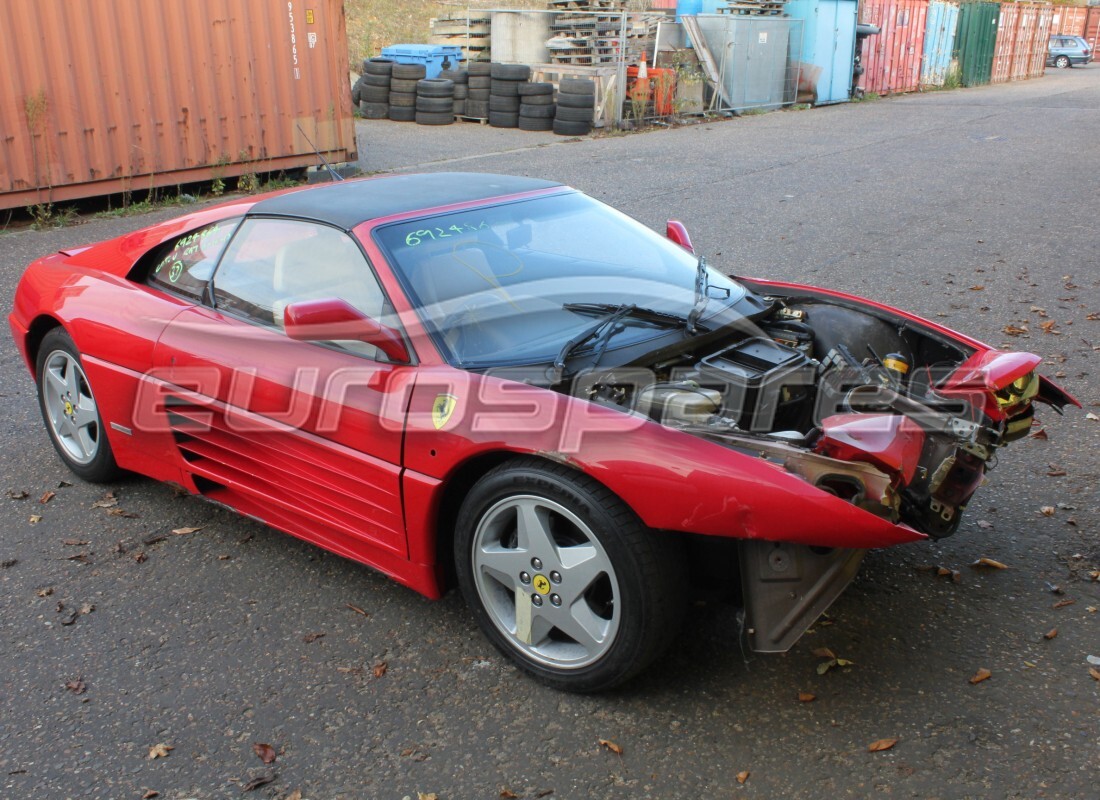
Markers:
(702, 284)
(601, 330)
(642, 313)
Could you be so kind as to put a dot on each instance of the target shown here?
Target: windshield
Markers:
(495, 284)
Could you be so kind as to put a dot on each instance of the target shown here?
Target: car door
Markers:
(304, 435)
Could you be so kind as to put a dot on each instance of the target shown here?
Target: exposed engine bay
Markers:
(892, 417)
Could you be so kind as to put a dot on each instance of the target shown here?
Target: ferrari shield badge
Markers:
(442, 409)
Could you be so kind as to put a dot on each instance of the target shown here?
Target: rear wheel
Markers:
(1062, 62)
(69, 410)
(564, 579)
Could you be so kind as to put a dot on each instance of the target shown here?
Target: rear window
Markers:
(184, 265)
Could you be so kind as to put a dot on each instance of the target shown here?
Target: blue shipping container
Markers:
(939, 42)
(828, 47)
(434, 57)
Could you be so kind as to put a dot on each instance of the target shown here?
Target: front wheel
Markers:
(564, 579)
(1061, 62)
(70, 412)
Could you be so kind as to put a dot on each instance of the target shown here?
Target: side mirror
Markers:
(676, 232)
(332, 318)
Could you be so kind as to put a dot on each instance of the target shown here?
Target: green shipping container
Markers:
(975, 41)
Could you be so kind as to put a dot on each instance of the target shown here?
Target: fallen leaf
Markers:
(310, 638)
(139, 557)
(427, 796)
(264, 752)
(357, 609)
(9, 562)
(118, 512)
(256, 783)
(87, 608)
(185, 531)
(1092, 416)
(742, 776)
(806, 697)
(63, 484)
(35, 519)
(46, 497)
(1056, 473)
(1094, 315)
(1069, 601)
(989, 562)
(981, 675)
(544, 793)
(881, 744)
(295, 795)
(977, 288)
(1040, 434)
(152, 540)
(985, 524)
(610, 745)
(1094, 672)
(74, 543)
(508, 794)
(160, 751)
(942, 571)
(45, 592)
(825, 666)
(149, 795)
(1047, 511)
(1015, 330)
(108, 500)
(225, 558)
(380, 669)
(1050, 634)
(18, 494)
(76, 687)
(824, 652)
(1048, 326)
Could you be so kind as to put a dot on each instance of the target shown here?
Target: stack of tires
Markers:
(462, 88)
(403, 80)
(373, 95)
(435, 101)
(576, 105)
(479, 83)
(536, 106)
(505, 80)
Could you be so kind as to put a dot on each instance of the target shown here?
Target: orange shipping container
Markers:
(103, 96)
(1092, 31)
(1069, 21)
(1022, 35)
(892, 58)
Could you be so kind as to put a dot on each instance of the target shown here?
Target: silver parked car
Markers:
(1067, 51)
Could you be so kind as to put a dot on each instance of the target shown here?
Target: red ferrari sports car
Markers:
(504, 380)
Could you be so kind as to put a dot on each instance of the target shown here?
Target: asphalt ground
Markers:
(976, 208)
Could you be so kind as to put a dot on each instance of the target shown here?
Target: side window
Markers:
(184, 265)
(272, 263)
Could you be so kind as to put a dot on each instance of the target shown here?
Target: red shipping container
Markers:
(1069, 21)
(1022, 35)
(1092, 31)
(892, 59)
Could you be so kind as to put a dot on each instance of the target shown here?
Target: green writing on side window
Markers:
(413, 238)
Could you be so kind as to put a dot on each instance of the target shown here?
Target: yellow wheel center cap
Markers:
(541, 584)
(68, 409)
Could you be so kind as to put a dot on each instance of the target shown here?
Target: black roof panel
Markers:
(348, 203)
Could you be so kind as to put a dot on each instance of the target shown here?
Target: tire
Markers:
(566, 128)
(403, 99)
(459, 108)
(536, 123)
(456, 75)
(478, 94)
(434, 104)
(409, 72)
(576, 100)
(479, 109)
(402, 113)
(375, 94)
(377, 66)
(374, 110)
(535, 89)
(503, 88)
(1062, 62)
(577, 86)
(504, 119)
(510, 72)
(435, 87)
(509, 104)
(357, 93)
(628, 582)
(436, 117)
(536, 99)
(536, 112)
(567, 114)
(479, 68)
(376, 80)
(403, 85)
(69, 410)
(461, 91)
(479, 82)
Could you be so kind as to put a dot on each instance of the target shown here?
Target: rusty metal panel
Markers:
(1069, 21)
(1022, 35)
(102, 96)
(1092, 31)
(892, 59)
